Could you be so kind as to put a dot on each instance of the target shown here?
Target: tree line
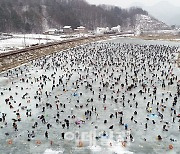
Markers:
(26, 15)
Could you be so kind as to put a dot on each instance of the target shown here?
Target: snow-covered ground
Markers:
(40, 36)
(20, 41)
(78, 76)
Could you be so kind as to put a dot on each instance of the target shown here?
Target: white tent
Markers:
(3, 81)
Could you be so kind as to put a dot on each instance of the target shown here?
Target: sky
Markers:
(128, 3)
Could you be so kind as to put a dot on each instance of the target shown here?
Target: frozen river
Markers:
(91, 94)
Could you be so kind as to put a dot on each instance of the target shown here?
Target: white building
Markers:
(102, 30)
(116, 29)
(51, 31)
(80, 29)
(137, 31)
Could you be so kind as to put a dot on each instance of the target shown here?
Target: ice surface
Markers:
(28, 84)
(49, 151)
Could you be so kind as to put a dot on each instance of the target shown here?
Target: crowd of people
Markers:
(98, 86)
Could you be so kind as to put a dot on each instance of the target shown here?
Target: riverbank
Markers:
(15, 60)
(160, 37)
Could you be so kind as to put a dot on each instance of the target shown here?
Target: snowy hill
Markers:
(164, 11)
(148, 23)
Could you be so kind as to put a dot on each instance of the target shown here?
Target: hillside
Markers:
(148, 23)
(35, 16)
(163, 11)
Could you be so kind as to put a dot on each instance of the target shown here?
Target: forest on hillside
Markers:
(33, 16)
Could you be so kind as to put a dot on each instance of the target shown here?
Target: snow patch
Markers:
(49, 151)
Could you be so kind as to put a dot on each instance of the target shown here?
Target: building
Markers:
(67, 29)
(51, 31)
(80, 29)
(137, 31)
(116, 29)
(102, 30)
